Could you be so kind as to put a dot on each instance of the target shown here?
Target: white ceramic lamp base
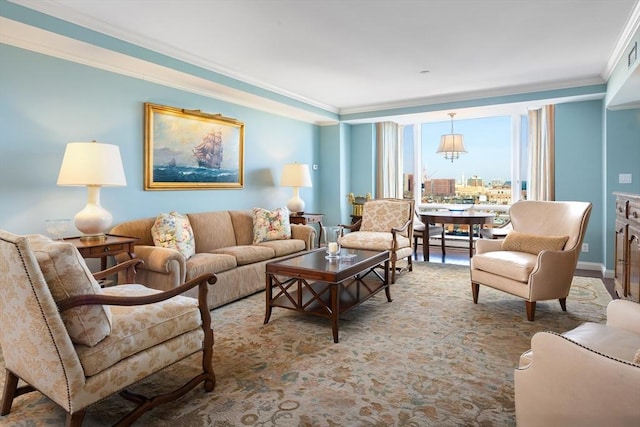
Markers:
(93, 220)
(295, 204)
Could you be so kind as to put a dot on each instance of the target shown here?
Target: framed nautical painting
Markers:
(191, 150)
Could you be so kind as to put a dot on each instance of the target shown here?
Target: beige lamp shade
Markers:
(93, 165)
(295, 175)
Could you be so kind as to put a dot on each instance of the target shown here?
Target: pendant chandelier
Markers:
(451, 144)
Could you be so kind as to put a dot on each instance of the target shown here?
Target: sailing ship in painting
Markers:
(207, 155)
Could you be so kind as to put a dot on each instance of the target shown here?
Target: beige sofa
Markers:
(224, 246)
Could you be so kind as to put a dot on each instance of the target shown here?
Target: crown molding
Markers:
(627, 34)
(27, 37)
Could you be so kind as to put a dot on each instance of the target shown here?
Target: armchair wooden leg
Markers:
(75, 419)
(563, 304)
(475, 289)
(10, 387)
(393, 272)
(531, 310)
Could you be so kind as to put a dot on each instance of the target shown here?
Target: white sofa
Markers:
(584, 377)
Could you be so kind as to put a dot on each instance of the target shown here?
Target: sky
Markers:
(488, 144)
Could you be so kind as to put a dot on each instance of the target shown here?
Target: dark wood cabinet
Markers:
(627, 246)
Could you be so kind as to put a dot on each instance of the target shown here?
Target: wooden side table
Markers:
(308, 218)
(112, 245)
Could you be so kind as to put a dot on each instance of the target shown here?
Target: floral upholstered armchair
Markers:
(77, 343)
(386, 225)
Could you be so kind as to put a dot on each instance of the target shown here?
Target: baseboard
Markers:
(596, 266)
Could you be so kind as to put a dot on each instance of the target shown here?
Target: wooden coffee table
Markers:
(311, 284)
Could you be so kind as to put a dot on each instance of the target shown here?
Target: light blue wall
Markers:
(335, 165)
(579, 168)
(46, 103)
(363, 155)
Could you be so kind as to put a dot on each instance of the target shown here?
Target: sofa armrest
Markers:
(158, 261)
(304, 232)
(624, 314)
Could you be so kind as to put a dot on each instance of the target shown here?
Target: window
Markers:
(483, 175)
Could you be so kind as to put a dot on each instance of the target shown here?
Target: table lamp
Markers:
(295, 175)
(93, 165)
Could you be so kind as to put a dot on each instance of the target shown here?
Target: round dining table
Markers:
(468, 217)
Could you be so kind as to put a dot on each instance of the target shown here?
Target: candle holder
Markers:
(332, 235)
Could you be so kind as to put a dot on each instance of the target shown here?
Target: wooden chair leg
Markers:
(75, 419)
(531, 310)
(475, 289)
(10, 387)
(563, 304)
(393, 272)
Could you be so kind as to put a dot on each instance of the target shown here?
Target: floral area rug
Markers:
(429, 358)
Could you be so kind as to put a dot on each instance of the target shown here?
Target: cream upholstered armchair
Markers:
(386, 225)
(77, 343)
(589, 376)
(537, 259)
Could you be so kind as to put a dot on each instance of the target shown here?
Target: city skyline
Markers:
(488, 145)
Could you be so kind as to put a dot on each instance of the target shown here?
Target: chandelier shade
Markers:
(452, 144)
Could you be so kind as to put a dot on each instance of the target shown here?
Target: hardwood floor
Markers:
(460, 256)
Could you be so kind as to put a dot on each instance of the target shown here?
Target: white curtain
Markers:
(389, 155)
(541, 180)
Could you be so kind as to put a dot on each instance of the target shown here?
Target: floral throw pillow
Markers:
(173, 230)
(271, 225)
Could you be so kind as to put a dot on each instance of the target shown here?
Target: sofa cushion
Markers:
(243, 226)
(173, 230)
(616, 342)
(66, 274)
(209, 263)
(213, 230)
(247, 254)
(270, 225)
(532, 243)
(284, 247)
(138, 328)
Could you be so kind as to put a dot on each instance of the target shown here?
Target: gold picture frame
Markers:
(191, 150)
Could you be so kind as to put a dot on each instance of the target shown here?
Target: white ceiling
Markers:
(360, 55)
